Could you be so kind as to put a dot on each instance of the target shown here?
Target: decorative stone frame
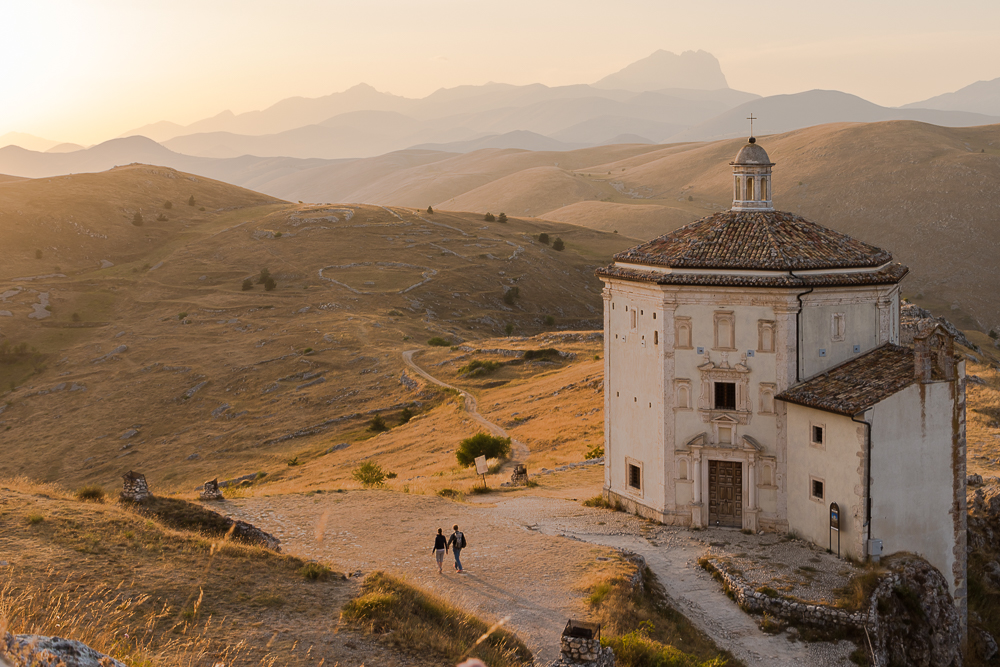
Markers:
(684, 336)
(812, 440)
(724, 320)
(765, 336)
(723, 372)
(629, 489)
(682, 385)
(814, 478)
(766, 393)
(838, 327)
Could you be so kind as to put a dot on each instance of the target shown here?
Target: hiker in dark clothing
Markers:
(440, 548)
(457, 543)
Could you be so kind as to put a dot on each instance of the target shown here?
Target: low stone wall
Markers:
(576, 651)
(815, 615)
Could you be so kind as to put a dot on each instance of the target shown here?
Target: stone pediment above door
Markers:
(725, 419)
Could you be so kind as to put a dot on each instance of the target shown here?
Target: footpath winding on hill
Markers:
(527, 557)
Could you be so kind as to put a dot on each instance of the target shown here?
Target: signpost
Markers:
(482, 468)
(835, 525)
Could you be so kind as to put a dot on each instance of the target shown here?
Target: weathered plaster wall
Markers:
(912, 475)
(839, 464)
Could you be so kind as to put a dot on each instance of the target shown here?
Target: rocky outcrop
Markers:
(912, 318)
(40, 651)
(914, 617)
(251, 534)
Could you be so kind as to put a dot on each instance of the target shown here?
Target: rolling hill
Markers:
(151, 355)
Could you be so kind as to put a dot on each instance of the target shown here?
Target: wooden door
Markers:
(725, 493)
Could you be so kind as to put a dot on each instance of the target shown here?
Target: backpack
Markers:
(460, 537)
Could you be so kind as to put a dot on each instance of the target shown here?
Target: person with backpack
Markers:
(440, 548)
(457, 543)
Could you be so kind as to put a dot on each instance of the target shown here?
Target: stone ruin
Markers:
(211, 491)
(134, 487)
(520, 476)
(581, 645)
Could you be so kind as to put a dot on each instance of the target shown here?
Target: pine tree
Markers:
(558, 244)
(191, 201)
(502, 218)
(137, 219)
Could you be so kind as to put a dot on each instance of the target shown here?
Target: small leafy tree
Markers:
(502, 218)
(247, 284)
(489, 217)
(558, 244)
(137, 219)
(549, 320)
(482, 444)
(378, 425)
(437, 341)
(369, 474)
(430, 209)
(543, 238)
(270, 284)
(191, 201)
(405, 416)
(168, 205)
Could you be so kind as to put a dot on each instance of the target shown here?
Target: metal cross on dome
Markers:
(751, 119)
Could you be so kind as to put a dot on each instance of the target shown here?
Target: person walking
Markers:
(440, 548)
(457, 543)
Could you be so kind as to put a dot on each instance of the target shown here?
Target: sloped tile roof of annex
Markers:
(766, 240)
(857, 384)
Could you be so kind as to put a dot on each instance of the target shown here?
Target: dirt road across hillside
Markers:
(526, 559)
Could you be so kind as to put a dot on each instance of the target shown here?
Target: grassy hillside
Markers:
(164, 364)
(922, 191)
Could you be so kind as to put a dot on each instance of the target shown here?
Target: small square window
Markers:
(818, 435)
(816, 489)
(634, 476)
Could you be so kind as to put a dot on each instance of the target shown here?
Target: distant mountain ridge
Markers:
(697, 70)
(980, 97)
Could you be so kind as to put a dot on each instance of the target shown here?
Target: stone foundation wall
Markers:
(575, 651)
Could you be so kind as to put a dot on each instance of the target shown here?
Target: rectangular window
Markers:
(816, 488)
(634, 319)
(725, 395)
(817, 435)
(634, 476)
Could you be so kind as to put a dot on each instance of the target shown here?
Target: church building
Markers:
(754, 378)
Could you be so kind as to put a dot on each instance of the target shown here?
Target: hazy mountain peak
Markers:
(27, 141)
(698, 70)
(979, 97)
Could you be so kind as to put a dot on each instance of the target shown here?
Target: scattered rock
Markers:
(194, 457)
(118, 350)
(40, 651)
(337, 448)
(216, 413)
(974, 479)
(211, 491)
(975, 379)
(105, 264)
(983, 644)
(129, 433)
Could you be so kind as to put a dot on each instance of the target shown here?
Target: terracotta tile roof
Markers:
(858, 384)
(887, 276)
(756, 240)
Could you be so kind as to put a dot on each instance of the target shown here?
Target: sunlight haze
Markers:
(87, 71)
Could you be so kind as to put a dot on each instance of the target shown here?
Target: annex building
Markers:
(754, 376)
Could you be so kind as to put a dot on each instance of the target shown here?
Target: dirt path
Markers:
(520, 450)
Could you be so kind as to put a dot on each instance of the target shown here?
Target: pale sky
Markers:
(88, 70)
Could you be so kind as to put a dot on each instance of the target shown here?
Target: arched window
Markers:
(749, 187)
(682, 469)
(724, 333)
(683, 337)
(765, 475)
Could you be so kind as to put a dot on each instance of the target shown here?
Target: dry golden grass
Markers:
(982, 420)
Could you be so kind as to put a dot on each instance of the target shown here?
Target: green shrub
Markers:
(270, 284)
(181, 316)
(35, 519)
(509, 329)
(202, 208)
(75, 317)
(489, 217)
(450, 493)
(511, 294)
(315, 571)
(543, 353)
(395, 313)
(595, 452)
(294, 461)
(437, 341)
(549, 320)
(482, 444)
(168, 205)
(378, 425)
(191, 201)
(369, 474)
(405, 416)
(558, 245)
(543, 238)
(264, 275)
(92, 492)
(391, 475)
(502, 218)
(137, 219)
(430, 209)
(476, 368)
(247, 284)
